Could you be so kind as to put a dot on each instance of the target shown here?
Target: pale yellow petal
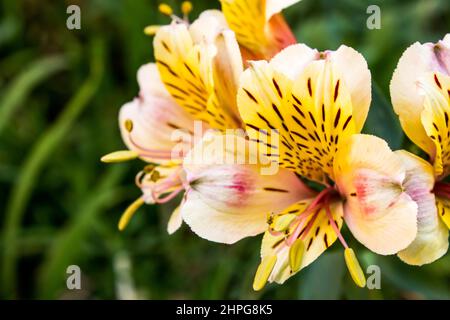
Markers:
(175, 221)
(378, 211)
(228, 199)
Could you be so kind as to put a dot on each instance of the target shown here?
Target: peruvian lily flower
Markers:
(194, 79)
(420, 92)
(259, 26)
(308, 107)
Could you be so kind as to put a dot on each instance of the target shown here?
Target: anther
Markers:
(128, 125)
(263, 272)
(151, 30)
(129, 212)
(354, 268)
(119, 156)
(165, 9)
(186, 8)
(155, 176)
(296, 252)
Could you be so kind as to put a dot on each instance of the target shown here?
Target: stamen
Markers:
(334, 226)
(152, 153)
(165, 9)
(186, 8)
(354, 268)
(296, 253)
(129, 212)
(263, 272)
(170, 196)
(119, 156)
(151, 30)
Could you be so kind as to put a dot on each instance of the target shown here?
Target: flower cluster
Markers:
(263, 135)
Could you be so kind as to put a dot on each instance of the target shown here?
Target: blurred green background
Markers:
(60, 93)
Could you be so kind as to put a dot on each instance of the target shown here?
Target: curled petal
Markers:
(378, 211)
(431, 241)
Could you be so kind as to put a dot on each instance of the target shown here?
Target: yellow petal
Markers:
(120, 156)
(186, 69)
(263, 272)
(443, 208)
(296, 253)
(354, 268)
(435, 119)
(312, 115)
(179, 66)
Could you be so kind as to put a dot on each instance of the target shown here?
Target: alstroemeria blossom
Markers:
(308, 108)
(195, 78)
(259, 26)
(420, 95)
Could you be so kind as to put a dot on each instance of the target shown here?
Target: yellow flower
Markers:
(308, 108)
(420, 92)
(259, 26)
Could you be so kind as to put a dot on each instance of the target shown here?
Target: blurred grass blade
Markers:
(324, 278)
(21, 87)
(35, 161)
(67, 244)
(382, 120)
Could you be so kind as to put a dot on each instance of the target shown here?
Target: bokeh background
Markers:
(60, 93)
